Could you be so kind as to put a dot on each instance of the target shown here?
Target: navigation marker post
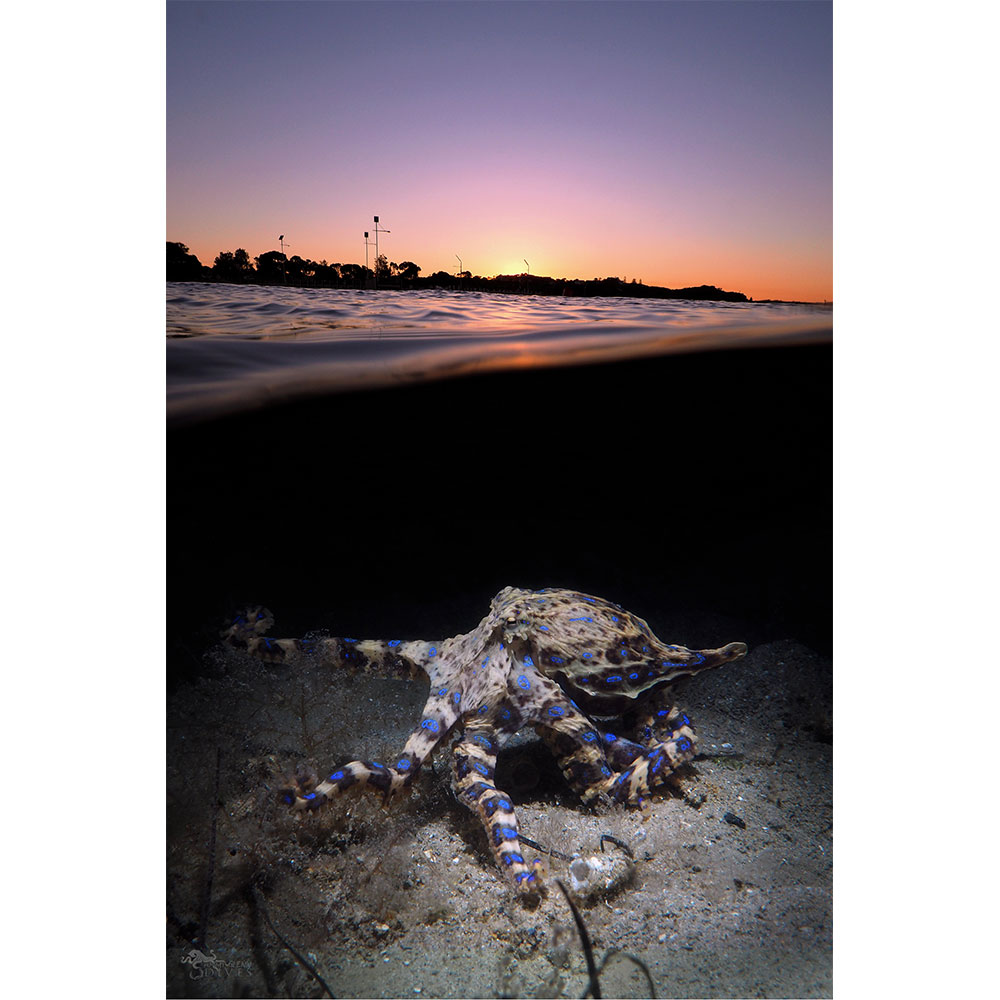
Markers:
(284, 271)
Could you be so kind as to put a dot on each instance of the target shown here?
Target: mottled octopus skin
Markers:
(551, 659)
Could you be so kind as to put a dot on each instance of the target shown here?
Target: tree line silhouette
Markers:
(275, 268)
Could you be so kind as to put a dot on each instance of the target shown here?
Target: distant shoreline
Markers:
(274, 268)
(503, 284)
(570, 288)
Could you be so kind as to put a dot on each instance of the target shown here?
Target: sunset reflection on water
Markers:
(233, 347)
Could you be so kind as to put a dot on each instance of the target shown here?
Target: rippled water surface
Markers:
(233, 347)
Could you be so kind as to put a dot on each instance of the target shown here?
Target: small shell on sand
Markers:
(599, 875)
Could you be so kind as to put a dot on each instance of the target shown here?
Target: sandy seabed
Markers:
(730, 894)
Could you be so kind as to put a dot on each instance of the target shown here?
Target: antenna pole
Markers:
(367, 245)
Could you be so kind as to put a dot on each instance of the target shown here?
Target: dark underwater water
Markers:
(692, 486)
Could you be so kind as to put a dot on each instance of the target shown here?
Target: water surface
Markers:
(238, 347)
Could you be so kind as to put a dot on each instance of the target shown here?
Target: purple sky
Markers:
(679, 143)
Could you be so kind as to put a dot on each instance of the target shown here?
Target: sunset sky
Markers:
(678, 143)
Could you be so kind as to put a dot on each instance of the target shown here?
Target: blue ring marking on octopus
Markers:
(583, 680)
(403, 764)
(623, 651)
(685, 721)
(590, 737)
(394, 642)
(336, 776)
(633, 677)
(505, 715)
(504, 804)
(624, 776)
(543, 628)
(509, 832)
(698, 659)
(662, 712)
(605, 771)
(481, 768)
(510, 857)
(431, 724)
(557, 711)
(267, 642)
(432, 651)
(442, 692)
(584, 619)
(484, 708)
(683, 744)
(614, 618)
(555, 659)
(590, 599)
(613, 679)
(456, 697)
(352, 640)
(587, 656)
(482, 741)
(523, 682)
(610, 737)
(310, 795)
(528, 662)
(524, 877)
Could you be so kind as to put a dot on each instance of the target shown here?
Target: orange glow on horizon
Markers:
(679, 144)
(779, 275)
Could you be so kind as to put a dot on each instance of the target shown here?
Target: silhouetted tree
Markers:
(300, 271)
(327, 275)
(355, 274)
(271, 267)
(234, 267)
(408, 270)
(182, 265)
(382, 266)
